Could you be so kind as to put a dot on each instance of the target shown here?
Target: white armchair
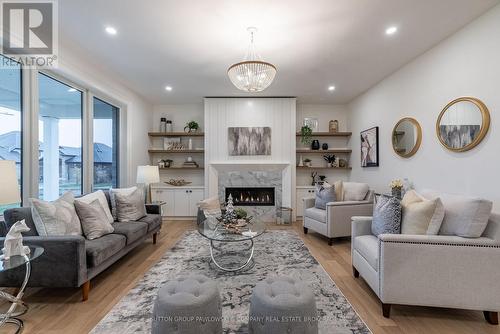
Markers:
(430, 270)
(335, 221)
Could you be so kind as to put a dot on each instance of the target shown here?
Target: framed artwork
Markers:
(369, 147)
(249, 141)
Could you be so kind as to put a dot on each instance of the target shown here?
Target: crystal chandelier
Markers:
(252, 74)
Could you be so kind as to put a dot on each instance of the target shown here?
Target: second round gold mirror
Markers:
(406, 137)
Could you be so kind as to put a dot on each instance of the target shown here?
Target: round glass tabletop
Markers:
(214, 230)
(19, 260)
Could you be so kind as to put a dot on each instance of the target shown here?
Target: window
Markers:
(60, 138)
(106, 126)
(11, 119)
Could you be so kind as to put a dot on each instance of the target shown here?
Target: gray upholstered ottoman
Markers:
(188, 305)
(282, 305)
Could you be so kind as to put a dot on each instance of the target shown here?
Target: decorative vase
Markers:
(396, 192)
(324, 146)
(301, 161)
(333, 126)
(190, 144)
(329, 165)
(315, 144)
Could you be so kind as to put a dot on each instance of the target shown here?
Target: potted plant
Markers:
(191, 126)
(168, 163)
(307, 162)
(396, 187)
(305, 135)
(330, 159)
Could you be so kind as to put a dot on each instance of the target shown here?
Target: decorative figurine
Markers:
(13, 244)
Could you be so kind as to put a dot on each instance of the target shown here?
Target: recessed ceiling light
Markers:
(168, 88)
(391, 30)
(111, 30)
(331, 88)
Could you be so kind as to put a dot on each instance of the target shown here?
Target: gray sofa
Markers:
(72, 261)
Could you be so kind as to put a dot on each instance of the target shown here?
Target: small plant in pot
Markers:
(168, 163)
(306, 135)
(307, 162)
(191, 127)
(330, 159)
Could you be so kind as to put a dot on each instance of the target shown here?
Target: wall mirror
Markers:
(462, 124)
(406, 137)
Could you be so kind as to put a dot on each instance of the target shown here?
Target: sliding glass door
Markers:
(11, 118)
(106, 129)
(60, 138)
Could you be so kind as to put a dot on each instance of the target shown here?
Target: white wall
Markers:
(136, 111)
(466, 64)
(179, 114)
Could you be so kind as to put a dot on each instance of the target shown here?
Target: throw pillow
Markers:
(420, 215)
(56, 218)
(354, 191)
(324, 194)
(386, 216)
(464, 216)
(95, 222)
(211, 203)
(130, 207)
(101, 197)
(112, 193)
(339, 190)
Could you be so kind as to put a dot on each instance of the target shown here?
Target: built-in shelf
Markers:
(332, 168)
(183, 168)
(328, 134)
(176, 151)
(176, 134)
(337, 150)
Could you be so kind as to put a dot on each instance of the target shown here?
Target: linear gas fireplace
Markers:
(254, 196)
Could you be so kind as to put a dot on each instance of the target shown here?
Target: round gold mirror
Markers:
(406, 137)
(462, 124)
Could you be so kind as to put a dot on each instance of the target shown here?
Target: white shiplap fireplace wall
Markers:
(277, 113)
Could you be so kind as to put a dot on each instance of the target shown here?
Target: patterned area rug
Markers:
(276, 253)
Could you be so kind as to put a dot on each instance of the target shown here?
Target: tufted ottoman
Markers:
(188, 305)
(282, 305)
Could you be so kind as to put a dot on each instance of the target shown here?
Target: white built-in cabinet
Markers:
(303, 192)
(180, 202)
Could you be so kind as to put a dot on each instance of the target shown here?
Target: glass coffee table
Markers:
(13, 262)
(224, 243)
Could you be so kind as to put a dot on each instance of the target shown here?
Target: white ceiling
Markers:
(189, 44)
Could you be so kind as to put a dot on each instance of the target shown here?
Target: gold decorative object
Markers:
(178, 182)
(463, 124)
(406, 137)
(333, 126)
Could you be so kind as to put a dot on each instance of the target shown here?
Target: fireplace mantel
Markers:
(236, 165)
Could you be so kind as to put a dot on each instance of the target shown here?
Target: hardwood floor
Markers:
(61, 311)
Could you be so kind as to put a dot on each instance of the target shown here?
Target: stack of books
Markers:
(190, 164)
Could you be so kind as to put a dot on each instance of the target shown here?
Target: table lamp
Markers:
(147, 175)
(9, 187)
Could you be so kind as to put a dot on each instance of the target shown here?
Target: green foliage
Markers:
(192, 126)
(241, 213)
(306, 135)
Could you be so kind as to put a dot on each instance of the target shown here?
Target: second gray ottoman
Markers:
(282, 305)
(188, 305)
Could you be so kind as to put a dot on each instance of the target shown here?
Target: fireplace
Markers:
(251, 196)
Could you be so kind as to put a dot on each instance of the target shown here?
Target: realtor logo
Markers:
(29, 32)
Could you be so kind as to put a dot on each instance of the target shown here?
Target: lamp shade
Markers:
(148, 174)
(9, 187)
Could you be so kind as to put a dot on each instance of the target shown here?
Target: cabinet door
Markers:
(181, 208)
(169, 199)
(301, 194)
(195, 196)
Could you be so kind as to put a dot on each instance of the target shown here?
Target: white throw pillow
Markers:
(94, 220)
(112, 192)
(101, 197)
(354, 191)
(464, 216)
(130, 207)
(56, 218)
(211, 203)
(420, 215)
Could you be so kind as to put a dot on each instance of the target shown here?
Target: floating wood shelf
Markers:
(332, 168)
(176, 151)
(328, 134)
(176, 134)
(183, 168)
(338, 150)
